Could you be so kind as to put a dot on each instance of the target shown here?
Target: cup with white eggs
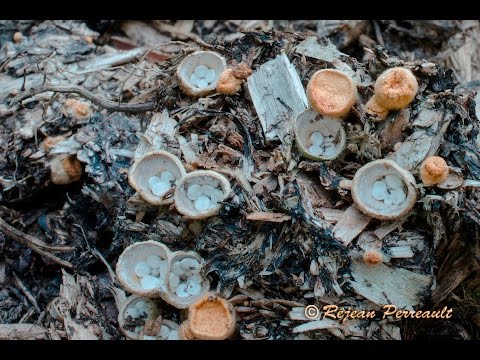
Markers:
(198, 73)
(200, 194)
(143, 268)
(133, 314)
(384, 190)
(319, 137)
(155, 175)
(186, 281)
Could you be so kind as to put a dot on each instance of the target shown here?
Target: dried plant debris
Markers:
(78, 112)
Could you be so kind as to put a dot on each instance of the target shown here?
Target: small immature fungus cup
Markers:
(65, 169)
(198, 73)
(200, 194)
(372, 257)
(155, 175)
(133, 314)
(384, 190)
(212, 318)
(230, 81)
(395, 89)
(434, 170)
(143, 268)
(319, 137)
(186, 282)
(331, 93)
(184, 332)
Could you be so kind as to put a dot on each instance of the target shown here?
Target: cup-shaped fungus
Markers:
(133, 314)
(200, 194)
(384, 190)
(155, 175)
(319, 137)
(143, 268)
(372, 257)
(211, 318)
(169, 330)
(331, 92)
(434, 170)
(186, 281)
(230, 81)
(198, 73)
(184, 332)
(395, 89)
(65, 169)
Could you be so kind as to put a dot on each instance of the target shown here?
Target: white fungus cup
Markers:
(200, 194)
(183, 287)
(137, 269)
(154, 175)
(198, 73)
(383, 190)
(137, 308)
(168, 331)
(318, 137)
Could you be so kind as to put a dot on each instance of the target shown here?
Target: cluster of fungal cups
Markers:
(151, 270)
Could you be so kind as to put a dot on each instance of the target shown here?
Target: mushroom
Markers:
(395, 89)
(384, 190)
(65, 169)
(143, 268)
(319, 137)
(154, 175)
(373, 257)
(331, 92)
(185, 282)
(230, 81)
(184, 332)
(211, 318)
(200, 194)
(133, 313)
(198, 73)
(434, 170)
(169, 330)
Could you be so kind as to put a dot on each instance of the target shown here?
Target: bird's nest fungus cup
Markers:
(198, 73)
(186, 281)
(319, 137)
(133, 314)
(143, 268)
(200, 194)
(211, 318)
(155, 175)
(331, 93)
(384, 190)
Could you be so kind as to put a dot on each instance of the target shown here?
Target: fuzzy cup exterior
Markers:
(185, 206)
(212, 318)
(372, 257)
(185, 69)
(130, 257)
(331, 93)
(184, 331)
(172, 298)
(309, 122)
(366, 177)
(65, 169)
(434, 170)
(395, 89)
(228, 84)
(151, 164)
(129, 302)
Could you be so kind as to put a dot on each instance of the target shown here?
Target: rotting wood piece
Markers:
(278, 96)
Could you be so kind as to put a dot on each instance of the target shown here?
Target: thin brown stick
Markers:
(96, 99)
(27, 293)
(36, 245)
(28, 240)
